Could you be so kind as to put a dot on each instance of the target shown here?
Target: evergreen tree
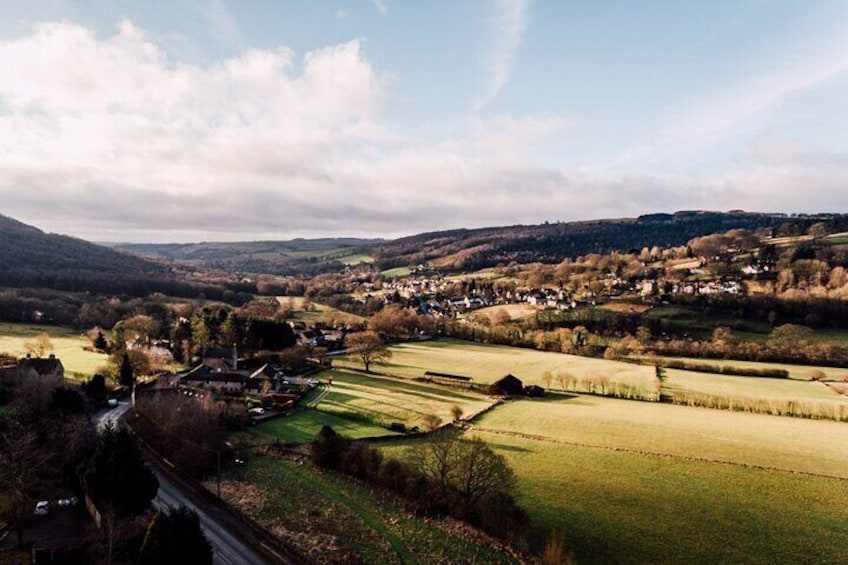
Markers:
(126, 376)
(116, 474)
(175, 538)
(100, 342)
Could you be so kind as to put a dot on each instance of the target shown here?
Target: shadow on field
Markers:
(505, 447)
(554, 397)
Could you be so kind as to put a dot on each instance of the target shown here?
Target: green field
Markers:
(303, 426)
(488, 363)
(396, 272)
(334, 520)
(384, 400)
(356, 259)
(621, 507)
(792, 444)
(319, 313)
(798, 372)
(636, 482)
(680, 381)
(68, 346)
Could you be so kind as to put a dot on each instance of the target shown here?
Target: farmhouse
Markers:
(48, 371)
(507, 386)
(219, 382)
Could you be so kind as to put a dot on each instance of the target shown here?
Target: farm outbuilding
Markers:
(510, 385)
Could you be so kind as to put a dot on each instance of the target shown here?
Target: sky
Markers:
(217, 120)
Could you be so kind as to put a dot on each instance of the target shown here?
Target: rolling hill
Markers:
(32, 258)
(294, 257)
(470, 249)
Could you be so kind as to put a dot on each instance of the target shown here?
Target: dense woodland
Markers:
(34, 259)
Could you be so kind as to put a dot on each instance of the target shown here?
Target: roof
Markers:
(218, 353)
(49, 366)
(508, 379)
(217, 377)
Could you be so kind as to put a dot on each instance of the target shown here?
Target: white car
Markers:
(258, 411)
(42, 508)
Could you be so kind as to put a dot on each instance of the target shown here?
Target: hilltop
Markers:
(470, 249)
(35, 259)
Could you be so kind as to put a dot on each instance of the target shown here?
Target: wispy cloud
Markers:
(731, 111)
(509, 23)
(380, 6)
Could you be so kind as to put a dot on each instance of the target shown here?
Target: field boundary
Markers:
(548, 439)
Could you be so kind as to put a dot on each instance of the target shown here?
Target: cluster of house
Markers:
(652, 287)
(222, 371)
(46, 371)
(317, 337)
(426, 294)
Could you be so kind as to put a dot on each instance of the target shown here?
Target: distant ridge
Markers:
(32, 258)
(467, 249)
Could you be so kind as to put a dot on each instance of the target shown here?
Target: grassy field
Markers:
(621, 507)
(383, 400)
(396, 272)
(356, 259)
(680, 381)
(633, 482)
(68, 346)
(303, 426)
(515, 311)
(797, 372)
(319, 312)
(488, 363)
(334, 520)
(791, 444)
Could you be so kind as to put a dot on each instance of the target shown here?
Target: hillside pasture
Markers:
(796, 372)
(720, 487)
(384, 400)
(630, 508)
(488, 363)
(780, 390)
(303, 427)
(319, 312)
(68, 345)
(331, 519)
(790, 444)
(515, 311)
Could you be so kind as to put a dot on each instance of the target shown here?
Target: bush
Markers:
(329, 448)
(361, 461)
(499, 515)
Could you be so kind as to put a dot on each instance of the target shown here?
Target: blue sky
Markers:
(220, 120)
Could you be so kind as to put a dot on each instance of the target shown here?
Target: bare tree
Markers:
(431, 422)
(547, 379)
(369, 348)
(480, 471)
(39, 345)
(456, 412)
(20, 474)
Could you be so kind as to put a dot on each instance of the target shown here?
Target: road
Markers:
(110, 416)
(227, 548)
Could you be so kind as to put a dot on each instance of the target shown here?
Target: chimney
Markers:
(235, 357)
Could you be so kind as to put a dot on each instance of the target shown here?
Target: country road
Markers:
(228, 548)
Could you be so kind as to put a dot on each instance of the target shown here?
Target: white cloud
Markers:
(119, 137)
(509, 22)
(733, 110)
(340, 14)
(380, 6)
(110, 139)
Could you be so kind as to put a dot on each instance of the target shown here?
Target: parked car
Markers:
(112, 402)
(42, 508)
(258, 411)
